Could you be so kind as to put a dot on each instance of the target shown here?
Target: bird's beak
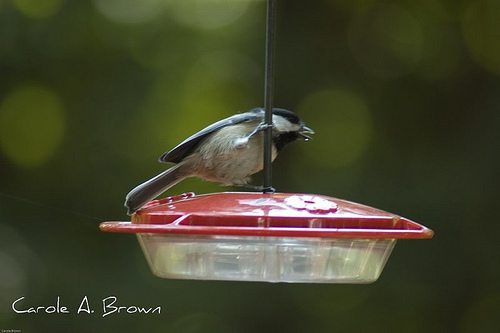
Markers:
(304, 131)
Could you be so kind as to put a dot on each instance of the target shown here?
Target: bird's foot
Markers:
(243, 142)
(268, 189)
(261, 127)
(257, 188)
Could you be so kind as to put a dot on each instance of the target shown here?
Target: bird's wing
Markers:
(187, 146)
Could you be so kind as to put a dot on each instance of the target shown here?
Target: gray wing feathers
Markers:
(187, 146)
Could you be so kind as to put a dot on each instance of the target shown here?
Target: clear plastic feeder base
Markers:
(270, 259)
(278, 237)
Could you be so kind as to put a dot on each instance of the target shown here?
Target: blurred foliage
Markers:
(403, 96)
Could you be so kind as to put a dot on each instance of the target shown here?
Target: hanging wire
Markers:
(268, 94)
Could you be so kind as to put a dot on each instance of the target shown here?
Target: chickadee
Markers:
(227, 152)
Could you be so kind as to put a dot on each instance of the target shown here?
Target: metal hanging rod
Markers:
(268, 94)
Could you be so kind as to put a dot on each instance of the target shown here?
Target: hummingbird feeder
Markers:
(268, 236)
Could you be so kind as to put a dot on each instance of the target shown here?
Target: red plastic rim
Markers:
(267, 215)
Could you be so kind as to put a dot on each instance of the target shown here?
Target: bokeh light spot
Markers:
(441, 44)
(441, 53)
(32, 124)
(387, 41)
(481, 26)
(38, 8)
(213, 87)
(130, 11)
(348, 129)
(208, 14)
(217, 85)
(12, 276)
(15, 257)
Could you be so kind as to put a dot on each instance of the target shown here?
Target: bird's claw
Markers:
(242, 142)
(268, 189)
(259, 128)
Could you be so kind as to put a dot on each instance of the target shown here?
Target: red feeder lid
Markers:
(271, 215)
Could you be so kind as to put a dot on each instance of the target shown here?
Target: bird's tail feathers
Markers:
(155, 186)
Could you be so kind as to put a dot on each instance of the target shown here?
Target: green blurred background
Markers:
(404, 97)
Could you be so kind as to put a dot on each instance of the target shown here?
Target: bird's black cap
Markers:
(287, 114)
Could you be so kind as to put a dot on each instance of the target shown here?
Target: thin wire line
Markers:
(268, 94)
(48, 207)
